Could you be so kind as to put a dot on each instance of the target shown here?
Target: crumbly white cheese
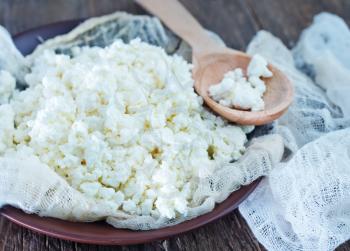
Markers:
(121, 124)
(236, 90)
(7, 86)
(6, 127)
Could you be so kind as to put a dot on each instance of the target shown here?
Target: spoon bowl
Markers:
(210, 69)
(212, 60)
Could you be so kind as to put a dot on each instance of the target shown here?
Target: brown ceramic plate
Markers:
(101, 232)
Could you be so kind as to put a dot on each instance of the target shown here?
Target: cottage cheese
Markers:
(236, 90)
(7, 86)
(121, 124)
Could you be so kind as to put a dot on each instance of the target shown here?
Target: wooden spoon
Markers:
(212, 60)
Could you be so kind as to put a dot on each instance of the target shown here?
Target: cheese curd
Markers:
(121, 124)
(7, 86)
(236, 90)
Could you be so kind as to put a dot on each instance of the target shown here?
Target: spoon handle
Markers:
(180, 21)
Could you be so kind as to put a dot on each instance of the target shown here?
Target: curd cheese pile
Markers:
(246, 93)
(121, 124)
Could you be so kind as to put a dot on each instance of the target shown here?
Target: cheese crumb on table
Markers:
(239, 91)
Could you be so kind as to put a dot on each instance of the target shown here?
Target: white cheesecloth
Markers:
(304, 203)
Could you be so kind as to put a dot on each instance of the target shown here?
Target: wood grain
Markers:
(286, 19)
(236, 21)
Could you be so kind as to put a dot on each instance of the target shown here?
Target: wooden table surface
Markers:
(236, 21)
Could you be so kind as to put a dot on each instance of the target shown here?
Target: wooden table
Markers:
(236, 21)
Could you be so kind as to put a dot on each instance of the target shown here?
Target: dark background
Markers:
(236, 21)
